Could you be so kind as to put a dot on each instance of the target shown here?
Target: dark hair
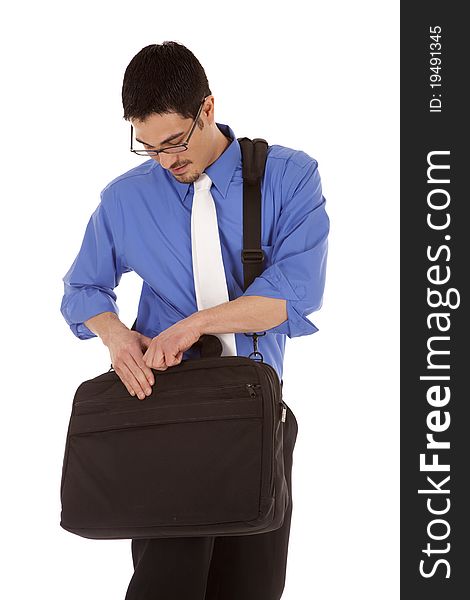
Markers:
(163, 78)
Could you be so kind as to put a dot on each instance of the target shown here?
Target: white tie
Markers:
(208, 267)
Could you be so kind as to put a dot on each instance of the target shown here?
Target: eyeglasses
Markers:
(174, 149)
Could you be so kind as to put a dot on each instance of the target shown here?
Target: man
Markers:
(143, 224)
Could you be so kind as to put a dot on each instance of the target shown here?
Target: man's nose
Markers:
(168, 161)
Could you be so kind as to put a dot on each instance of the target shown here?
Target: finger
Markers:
(147, 371)
(122, 377)
(172, 358)
(148, 356)
(145, 341)
(140, 375)
(132, 379)
(158, 358)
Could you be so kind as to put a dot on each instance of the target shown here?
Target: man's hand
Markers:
(126, 348)
(167, 348)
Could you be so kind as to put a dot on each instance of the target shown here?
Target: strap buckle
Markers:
(252, 255)
(255, 352)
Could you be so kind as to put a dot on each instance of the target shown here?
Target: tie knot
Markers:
(203, 183)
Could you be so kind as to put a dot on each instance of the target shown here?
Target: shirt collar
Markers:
(221, 171)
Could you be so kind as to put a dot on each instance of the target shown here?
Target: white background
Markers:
(317, 76)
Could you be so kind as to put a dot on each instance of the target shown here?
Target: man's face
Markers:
(161, 131)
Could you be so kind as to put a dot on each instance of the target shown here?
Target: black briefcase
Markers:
(203, 454)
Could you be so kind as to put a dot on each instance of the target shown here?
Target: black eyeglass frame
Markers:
(183, 145)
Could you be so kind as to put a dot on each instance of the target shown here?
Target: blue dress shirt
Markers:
(143, 224)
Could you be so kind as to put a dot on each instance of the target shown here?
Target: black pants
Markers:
(250, 567)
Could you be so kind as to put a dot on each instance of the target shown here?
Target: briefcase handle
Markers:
(208, 345)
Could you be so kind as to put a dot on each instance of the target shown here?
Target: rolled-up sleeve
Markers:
(93, 275)
(300, 246)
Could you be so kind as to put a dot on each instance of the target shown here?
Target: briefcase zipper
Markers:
(252, 389)
(272, 376)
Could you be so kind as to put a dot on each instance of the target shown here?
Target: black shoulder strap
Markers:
(254, 154)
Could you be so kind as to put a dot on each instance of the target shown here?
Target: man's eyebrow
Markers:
(168, 139)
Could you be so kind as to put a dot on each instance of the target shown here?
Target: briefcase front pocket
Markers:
(180, 460)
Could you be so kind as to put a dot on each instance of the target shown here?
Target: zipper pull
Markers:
(251, 390)
(284, 411)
